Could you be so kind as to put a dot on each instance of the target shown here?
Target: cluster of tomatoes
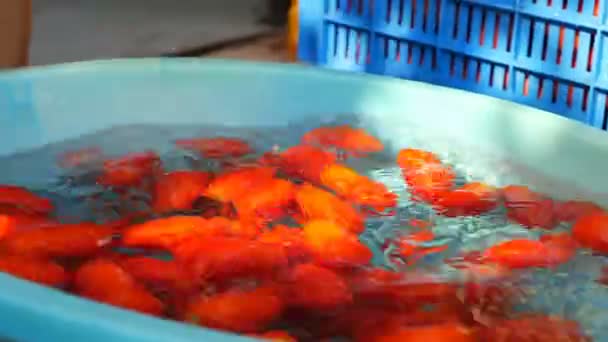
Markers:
(272, 241)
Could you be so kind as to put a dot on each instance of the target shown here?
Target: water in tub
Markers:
(569, 290)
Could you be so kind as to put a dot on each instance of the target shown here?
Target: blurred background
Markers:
(74, 30)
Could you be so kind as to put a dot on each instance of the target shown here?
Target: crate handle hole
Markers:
(575, 49)
(425, 15)
(560, 45)
(413, 14)
(456, 21)
(398, 52)
(422, 51)
(541, 83)
(591, 51)
(347, 43)
(469, 24)
(496, 31)
(482, 32)
(409, 54)
(554, 91)
(530, 37)
(545, 42)
(510, 37)
(452, 64)
(437, 15)
(358, 47)
(596, 8)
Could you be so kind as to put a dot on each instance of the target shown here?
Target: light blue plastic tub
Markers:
(49, 104)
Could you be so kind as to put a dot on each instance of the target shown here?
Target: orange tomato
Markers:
(230, 186)
(266, 201)
(167, 232)
(356, 188)
(305, 162)
(318, 204)
(430, 182)
(412, 159)
(332, 243)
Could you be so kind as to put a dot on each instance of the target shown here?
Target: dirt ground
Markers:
(271, 49)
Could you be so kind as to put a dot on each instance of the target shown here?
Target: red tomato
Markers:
(216, 147)
(452, 332)
(570, 211)
(316, 288)
(179, 189)
(105, 281)
(591, 231)
(529, 208)
(236, 310)
(470, 199)
(524, 253)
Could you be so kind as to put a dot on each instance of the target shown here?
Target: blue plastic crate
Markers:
(542, 53)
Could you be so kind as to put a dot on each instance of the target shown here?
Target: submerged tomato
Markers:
(217, 147)
(412, 159)
(355, 141)
(430, 182)
(470, 199)
(529, 208)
